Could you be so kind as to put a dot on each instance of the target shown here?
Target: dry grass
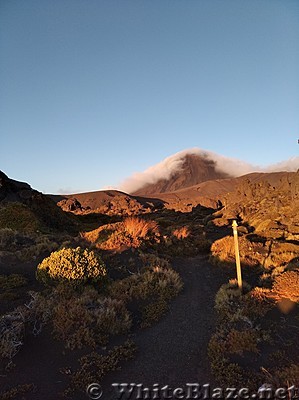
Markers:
(101, 234)
(223, 251)
(182, 232)
(131, 233)
(286, 286)
(139, 228)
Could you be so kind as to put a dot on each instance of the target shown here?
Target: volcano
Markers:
(193, 169)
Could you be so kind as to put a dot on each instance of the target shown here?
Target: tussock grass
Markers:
(132, 232)
(182, 232)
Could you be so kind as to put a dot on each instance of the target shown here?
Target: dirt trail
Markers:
(174, 351)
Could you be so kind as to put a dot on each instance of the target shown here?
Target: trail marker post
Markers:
(238, 264)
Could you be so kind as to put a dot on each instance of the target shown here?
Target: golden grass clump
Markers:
(182, 232)
(223, 251)
(132, 232)
(139, 228)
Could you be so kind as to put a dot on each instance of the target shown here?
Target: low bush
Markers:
(94, 366)
(287, 376)
(18, 391)
(7, 238)
(12, 329)
(19, 217)
(227, 374)
(12, 281)
(229, 298)
(238, 342)
(155, 287)
(76, 266)
(87, 319)
(154, 282)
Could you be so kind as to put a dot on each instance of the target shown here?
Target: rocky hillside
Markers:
(109, 202)
(24, 208)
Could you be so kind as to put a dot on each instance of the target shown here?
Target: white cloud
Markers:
(231, 166)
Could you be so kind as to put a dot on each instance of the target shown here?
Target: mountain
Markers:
(215, 193)
(193, 169)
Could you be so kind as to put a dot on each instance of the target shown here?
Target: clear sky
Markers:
(94, 90)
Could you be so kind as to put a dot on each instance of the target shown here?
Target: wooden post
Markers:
(238, 264)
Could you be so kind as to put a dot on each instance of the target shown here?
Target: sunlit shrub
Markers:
(286, 286)
(76, 266)
(156, 281)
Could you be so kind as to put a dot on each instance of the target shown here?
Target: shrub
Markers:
(156, 286)
(76, 266)
(228, 300)
(156, 281)
(43, 244)
(240, 341)
(12, 281)
(94, 366)
(18, 391)
(225, 372)
(7, 237)
(288, 376)
(88, 319)
(286, 286)
(12, 326)
(152, 312)
(17, 216)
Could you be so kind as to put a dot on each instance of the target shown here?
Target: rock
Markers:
(71, 204)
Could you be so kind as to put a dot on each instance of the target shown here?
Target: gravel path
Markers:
(174, 351)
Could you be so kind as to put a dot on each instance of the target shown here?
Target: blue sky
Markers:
(95, 90)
